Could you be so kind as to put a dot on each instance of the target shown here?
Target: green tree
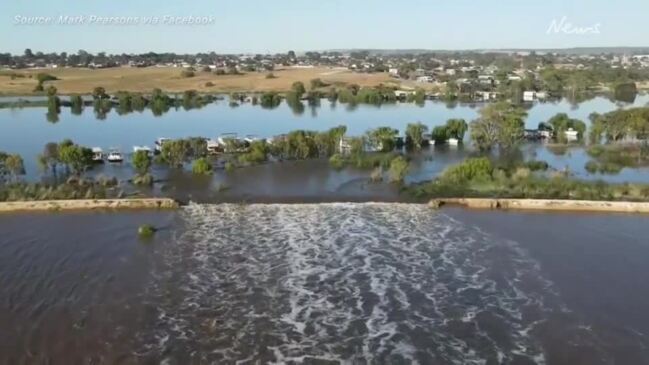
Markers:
(383, 138)
(201, 166)
(76, 104)
(257, 153)
(440, 134)
(175, 152)
(456, 128)
(14, 166)
(77, 158)
(415, 134)
(141, 162)
(398, 169)
(99, 93)
(499, 125)
(50, 156)
(561, 123)
(298, 88)
(317, 83)
(270, 100)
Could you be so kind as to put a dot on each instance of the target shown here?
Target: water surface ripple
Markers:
(347, 283)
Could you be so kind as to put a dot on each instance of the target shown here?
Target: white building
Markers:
(529, 95)
(424, 79)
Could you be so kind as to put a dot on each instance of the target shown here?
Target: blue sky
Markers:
(277, 26)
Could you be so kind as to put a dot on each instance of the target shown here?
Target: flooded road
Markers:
(324, 283)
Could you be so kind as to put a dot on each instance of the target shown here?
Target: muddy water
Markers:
(324, 283)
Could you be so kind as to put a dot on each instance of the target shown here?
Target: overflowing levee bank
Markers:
(88, 204)
(545, 204)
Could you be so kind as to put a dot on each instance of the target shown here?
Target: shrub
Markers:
(201, 166)
(377, 174)
(471, 169)
(398, 169)
(230, 166)
(187, 73)
(209, 84)
(144, 180)
(146, 231)
(592, 167)
(537, 165)
(337, 161)
(270, 75)
(257, 153)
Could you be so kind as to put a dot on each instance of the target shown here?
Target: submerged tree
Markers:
(141, 162)
(398, 169)
(415, 133)
(499, 125)
(75, 157)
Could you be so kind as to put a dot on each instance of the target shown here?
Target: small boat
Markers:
(158, 144)
(213, 147)
(275, 139)
(230, 143)
(114, 155)
(251, 138)
(97, 155)
(147, 149)
(226, 136)
(453, 141)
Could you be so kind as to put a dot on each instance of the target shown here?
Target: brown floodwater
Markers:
(324, 284)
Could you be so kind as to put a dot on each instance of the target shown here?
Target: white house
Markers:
(402, 93)
(571, 135)
(529, 95)
(393, 71)
(485, 95)
(486, 79)
(423, 79)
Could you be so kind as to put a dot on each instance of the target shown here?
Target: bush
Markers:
(592, 167)
(144, 180)
(209, 84)
(471, 169)
(537, 165)
(146, 231)
(257, 153)
(377, 174)
(270, 75)
(201, 166)
(337, 161)
(187, 73)
(398, 169)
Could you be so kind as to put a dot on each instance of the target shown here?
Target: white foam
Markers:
(343, 282)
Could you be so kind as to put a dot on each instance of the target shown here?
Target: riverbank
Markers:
(545, 205)
(88, 204)
(72, 80)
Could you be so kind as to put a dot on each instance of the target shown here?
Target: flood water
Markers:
(26, 131)
(324, 284)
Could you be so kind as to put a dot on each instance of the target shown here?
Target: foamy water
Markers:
(348, 283)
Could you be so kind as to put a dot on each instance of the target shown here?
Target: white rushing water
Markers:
(344, 283)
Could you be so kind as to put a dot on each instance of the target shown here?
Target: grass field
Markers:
(83, 80)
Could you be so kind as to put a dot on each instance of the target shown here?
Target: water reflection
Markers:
(25, 132)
